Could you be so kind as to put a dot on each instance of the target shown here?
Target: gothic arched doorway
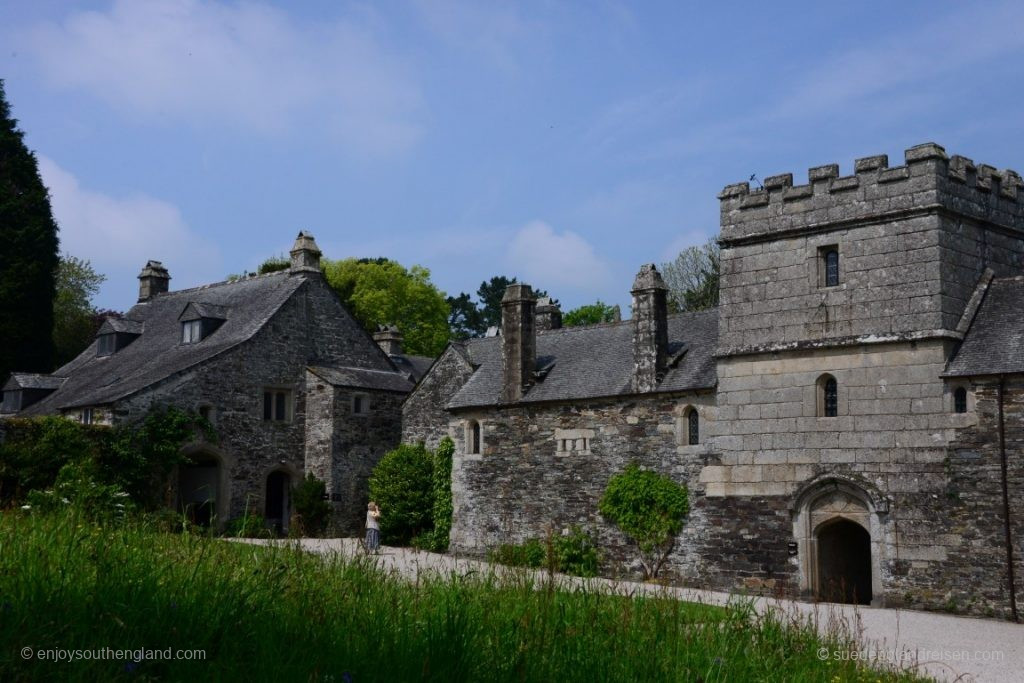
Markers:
(844, 562)
(277, 505)
(198, 483)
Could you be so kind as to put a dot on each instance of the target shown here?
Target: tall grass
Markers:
(264, 613)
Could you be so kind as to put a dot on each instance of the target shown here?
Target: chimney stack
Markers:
(389, 339)
(518, 341)
(549, 314)
(650, 329)
(305, 255)
(154, 279)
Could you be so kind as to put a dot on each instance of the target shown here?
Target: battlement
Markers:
(929, 180)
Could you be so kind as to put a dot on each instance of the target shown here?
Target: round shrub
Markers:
(650, 509)
(402, 485)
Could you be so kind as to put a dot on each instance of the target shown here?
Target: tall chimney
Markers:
(305, 255)
(549, 314)
(154, 279)
(389, 339)
(650, 329)
(518, 341)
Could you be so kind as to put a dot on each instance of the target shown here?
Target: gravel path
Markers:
(947, 647)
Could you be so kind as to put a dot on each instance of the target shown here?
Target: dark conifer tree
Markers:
(28, 255)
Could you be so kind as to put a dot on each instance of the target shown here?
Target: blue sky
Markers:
(563, 143)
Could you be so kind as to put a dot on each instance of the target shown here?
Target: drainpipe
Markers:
(1006, 504)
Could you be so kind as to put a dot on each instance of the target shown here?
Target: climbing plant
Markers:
(650, 509)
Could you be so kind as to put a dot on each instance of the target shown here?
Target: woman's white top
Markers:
(371, 520)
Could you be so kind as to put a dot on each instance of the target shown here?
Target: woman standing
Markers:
(372, 527)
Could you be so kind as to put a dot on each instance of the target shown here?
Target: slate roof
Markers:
(158, 352)
(595, 361)
(994, 343)
(27, 380)
(413, 366)
(121, 325)
(363, 378)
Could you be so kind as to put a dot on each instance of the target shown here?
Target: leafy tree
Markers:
(489, 294)
(650, 509)
(274, 264)
(75, 321)
(590, 314)
(464, 319)
(383, 292)
(311, 506)
(692, 278)
(28, 255)
(402, 484)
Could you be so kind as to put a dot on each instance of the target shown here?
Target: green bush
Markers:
(442, 495)
(134, 458)
(532, 553)
(312, 510)
(249, 525)
(402, 485)
(650, 509)
(78, 486)
(576, 553)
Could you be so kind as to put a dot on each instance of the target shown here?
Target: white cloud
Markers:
(551, 260)
(495, 32)
(118, 236)
(245, 64)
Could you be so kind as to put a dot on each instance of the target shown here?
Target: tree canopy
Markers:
(467, 318)
(75, 320)
(28, 256)
(384, 292)
(590, 314)
(692, 278)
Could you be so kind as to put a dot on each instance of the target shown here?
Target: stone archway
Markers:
(277, 501)
(844, 562)
(199, 484)
(840, 540)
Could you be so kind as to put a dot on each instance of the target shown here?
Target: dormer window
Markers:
(115, 334)
(106, 344)
(199, 321)
(191, 331)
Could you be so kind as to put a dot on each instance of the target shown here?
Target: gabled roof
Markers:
(363, 378)
(414, 366)
(27, 380)
(595, 361)
(196, 310)
(994, 343)
(158, 353)
(111, 325)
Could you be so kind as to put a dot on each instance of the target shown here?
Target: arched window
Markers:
(828, 396)
(473, 437)
(692, 427)
(960, 400)
(831, 268)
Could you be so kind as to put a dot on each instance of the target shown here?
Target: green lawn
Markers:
(278, 613)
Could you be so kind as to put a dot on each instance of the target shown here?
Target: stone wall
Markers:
(424, 417)
(912, 240)
(522, 485)
(312, 327)
(342, 447)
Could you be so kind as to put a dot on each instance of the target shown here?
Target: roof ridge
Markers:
(220, 283)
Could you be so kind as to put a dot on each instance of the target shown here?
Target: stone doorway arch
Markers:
(838, 526)
(277, 501)
(199, 485)
(844, 562)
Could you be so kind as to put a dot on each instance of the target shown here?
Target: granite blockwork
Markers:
(858, 393)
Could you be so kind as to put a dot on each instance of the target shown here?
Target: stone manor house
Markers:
(849, 421)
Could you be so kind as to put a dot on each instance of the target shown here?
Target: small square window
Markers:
(87, 416)
(360, 404)
(105, 344)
